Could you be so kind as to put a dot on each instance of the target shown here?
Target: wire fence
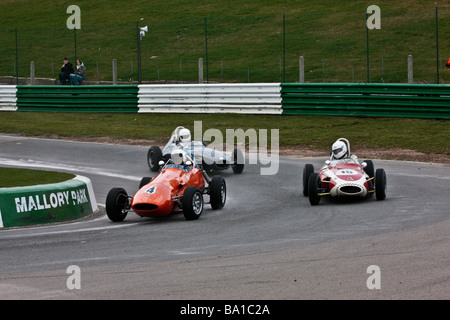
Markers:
(337, 47)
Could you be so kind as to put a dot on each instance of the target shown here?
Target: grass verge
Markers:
(12, 177)
(313, 132)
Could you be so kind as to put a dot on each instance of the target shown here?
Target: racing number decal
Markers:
(346, 172)
(151, 190)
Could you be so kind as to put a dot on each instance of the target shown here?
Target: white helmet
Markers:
(184, 136)
(339, 149)
(178, 156)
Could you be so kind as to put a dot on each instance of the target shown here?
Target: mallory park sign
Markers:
(57, 202)
(53, 200)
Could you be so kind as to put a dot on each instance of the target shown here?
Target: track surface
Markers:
(266, 243)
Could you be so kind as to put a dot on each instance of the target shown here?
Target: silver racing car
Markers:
(210, 159)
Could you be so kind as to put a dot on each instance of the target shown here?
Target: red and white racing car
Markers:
(344, 178)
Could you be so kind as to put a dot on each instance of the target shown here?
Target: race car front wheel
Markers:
(192, 203)
(307, 171)
(117, 204)
(313, 188)
(380, 184)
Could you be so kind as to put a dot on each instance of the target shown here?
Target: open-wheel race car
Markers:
(180, 186)
(209, 159)
(343, 176)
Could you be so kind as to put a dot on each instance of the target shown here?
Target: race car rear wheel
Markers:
(217, 192)
(117, 204)
(144, 181)
(313, 188)
(307, 171)
(238, 161)
(192, 203)
(154, 155)
(380, 184)
(369, 169)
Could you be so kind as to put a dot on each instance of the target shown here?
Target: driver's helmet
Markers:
(339, 149)
(178, 156)
(184, 136)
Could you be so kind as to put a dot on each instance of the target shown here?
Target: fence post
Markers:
(17, 60)
(301, 63)
(200, 70)
(410, 69)
(114, 66)
(206, 51)
(32, 79)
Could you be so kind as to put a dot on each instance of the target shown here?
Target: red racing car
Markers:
(179, 187)
(345, 177)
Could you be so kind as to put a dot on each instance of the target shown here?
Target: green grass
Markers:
(12, 177)
(423, 135)
(245, 39)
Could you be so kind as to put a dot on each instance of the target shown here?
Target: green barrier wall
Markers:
(348, 99)
(22, 206)
(123, 98)
(385, 100)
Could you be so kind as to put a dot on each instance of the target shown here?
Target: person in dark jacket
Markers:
(66, 70)
(79, 75)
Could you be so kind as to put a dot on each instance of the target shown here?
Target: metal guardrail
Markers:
(8, 98)
(373, 100)
(256, 98)
(77, 98)
(385, 100)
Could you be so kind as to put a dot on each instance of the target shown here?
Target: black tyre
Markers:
(217, 192)
(307, 170)
(238, 161)
(144, 181)
(313, 188)
(192, 203)
(208, 168)
(117, 204)
(154, 155)
(369, 169)
(380, 184)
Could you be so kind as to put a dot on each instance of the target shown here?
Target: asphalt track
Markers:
(266, 243)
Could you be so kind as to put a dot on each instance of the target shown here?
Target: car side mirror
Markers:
(189, 163)
(364, 164)
(327, 162)
(161, 163)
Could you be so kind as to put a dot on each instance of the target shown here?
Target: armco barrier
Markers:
(385, 100)
(8, 98)
(252, 98)
(39, 204)
(77, 98)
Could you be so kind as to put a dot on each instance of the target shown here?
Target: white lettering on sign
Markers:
(79, 196)
(48, 201)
